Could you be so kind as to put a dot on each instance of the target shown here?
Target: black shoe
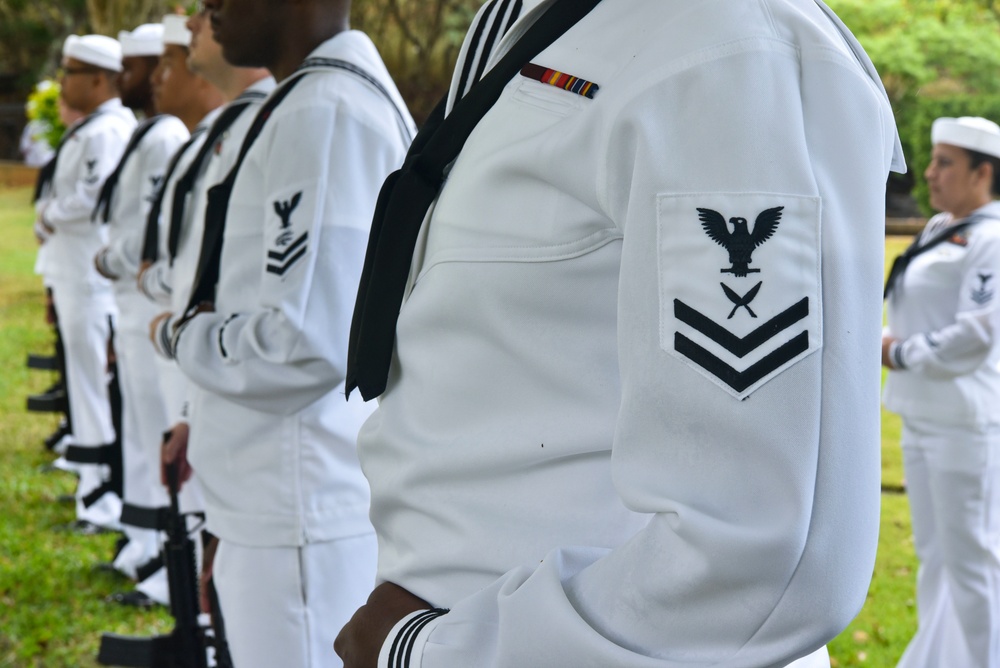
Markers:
(43, 362)
(134, 598)
(53, 401)
(85, 528)
(66, 498)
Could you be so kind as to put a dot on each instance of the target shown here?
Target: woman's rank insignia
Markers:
(740, 291)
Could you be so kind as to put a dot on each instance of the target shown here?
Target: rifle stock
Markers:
(188, 644)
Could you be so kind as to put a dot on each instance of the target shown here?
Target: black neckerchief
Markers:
(408, 193)
(916, 248)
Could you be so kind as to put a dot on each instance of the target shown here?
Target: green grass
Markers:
(52, 610)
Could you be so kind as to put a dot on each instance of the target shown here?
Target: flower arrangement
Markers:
(42, 108)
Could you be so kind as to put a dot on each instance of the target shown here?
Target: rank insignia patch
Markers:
(982, 293)
(91, 178)
(741, 314)
(289, 248)
(567, 82)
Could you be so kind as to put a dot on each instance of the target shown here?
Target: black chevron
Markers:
(740, 380)
(747, 344)
(273, 255)
(281, 269)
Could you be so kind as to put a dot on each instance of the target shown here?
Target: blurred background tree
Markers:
(936, 57)
(419, 40)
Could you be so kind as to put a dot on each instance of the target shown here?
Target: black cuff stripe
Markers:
(222, 331)
(403, 637)
(416, 632)
(897, 356)
(402, 646)
(165, 341)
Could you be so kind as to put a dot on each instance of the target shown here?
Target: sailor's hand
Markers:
(887, 342)
(174, 450)
(360, 642)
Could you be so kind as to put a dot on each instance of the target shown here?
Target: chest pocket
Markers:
(547, 98)
(524, 187)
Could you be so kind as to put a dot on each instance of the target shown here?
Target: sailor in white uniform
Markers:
(628, 414)
(123, 205)
(942, 346)
(272, 439)
(175, 227)
(83, 298)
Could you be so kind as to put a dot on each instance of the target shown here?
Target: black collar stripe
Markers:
(337, 64)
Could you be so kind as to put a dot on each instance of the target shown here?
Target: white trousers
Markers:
(284, 606)
(953, 483)
(85, 317)
(144, 419)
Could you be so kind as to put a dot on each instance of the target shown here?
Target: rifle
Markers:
(188, 644)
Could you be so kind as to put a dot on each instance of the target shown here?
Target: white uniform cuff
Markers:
(896, 355)
(162, 338)
(403, 648)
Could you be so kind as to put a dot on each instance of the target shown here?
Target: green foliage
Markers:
(52, 609)
(419, 42)
(936, 58)
(43, 108)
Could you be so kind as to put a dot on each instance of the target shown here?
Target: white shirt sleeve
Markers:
(103, 150)
(290, 348)
(764, 511)
(962, 346)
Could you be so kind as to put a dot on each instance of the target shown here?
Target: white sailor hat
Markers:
(969, 132)
(146, 40)
(175, 30)
(97, 50)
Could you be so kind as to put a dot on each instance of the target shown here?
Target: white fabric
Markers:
(144, 414)
(272, 438)
(145, 40)
(953, 482)
(541, 462)
(971, 132)
(99, 50)
(85, 319)
(86, 160)
(175, 30)
(139, 181)
(284, 606)
(946, 313)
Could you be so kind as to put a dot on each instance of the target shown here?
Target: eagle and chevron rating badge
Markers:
(739, 279)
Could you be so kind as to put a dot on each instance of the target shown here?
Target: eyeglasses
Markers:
(64, 72)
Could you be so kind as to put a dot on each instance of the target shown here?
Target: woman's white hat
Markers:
(969, 132)
(175, 30)
(98, 50)
(146, 40)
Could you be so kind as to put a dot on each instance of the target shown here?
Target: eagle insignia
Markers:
(741, 242)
